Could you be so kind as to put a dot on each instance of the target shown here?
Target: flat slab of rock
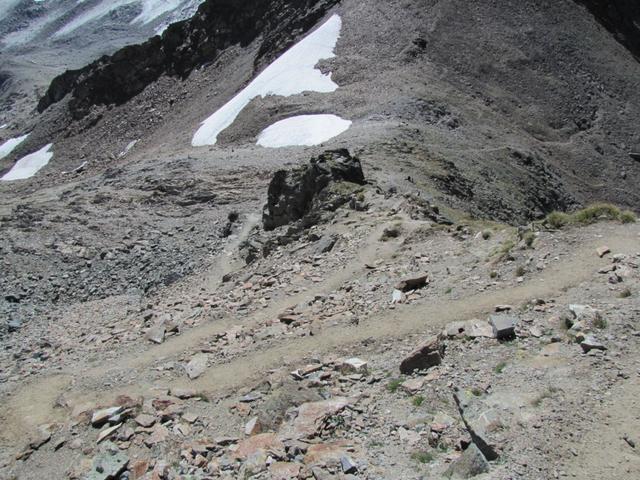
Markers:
(602, 251)
(413, 385)
(353, 365)
(504, 326)
(197, 365)
(284, 471)
(470, 464)
(312, 417)
(427, 355)
(482, 421)
(469, 329)
(108, 465)
(591, 343)
(263, 442)
(326, 454)
(100, 417)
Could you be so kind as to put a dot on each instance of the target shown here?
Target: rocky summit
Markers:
(319, 239)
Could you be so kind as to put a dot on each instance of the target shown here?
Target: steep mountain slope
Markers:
(511, 111)
(299, 239)
(40, 39)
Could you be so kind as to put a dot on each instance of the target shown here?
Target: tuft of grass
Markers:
(520, 271)
(493, 274)
(477, 392)
(591, 214)
(557, 220)
(486, 234)
(417, 401)
(627, 217)
(529, 238)
(422, 457)
(547, 393)
(600, 322)
(448, 290)
(394, 385)
(499, 368)
(626, 293)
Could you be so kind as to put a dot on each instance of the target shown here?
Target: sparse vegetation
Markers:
(499, 368)
(547, 393)
(448, 290)
(589, 215)
(394, 385)
(520, 271)
(529, 238)
(600, 322)
(486, 234)
(422, 457)
(477, 392)
(417, 401)
(493, 274)
(626, 293)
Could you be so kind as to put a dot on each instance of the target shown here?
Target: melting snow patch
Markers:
(7, 147)
(304, 130)
(292, 73)
(29, 165)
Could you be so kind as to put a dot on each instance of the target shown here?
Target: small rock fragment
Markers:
(602, 251)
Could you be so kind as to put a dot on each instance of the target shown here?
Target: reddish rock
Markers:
(312, 416)
(266, 442)
(284, 471)
(139, 469)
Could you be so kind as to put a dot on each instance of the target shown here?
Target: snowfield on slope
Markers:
(292, 73)
(7, 147)
(303, 130)
(30, 164)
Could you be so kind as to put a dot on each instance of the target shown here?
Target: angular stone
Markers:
(265, 442)
(469, 329)
(284, 471)
(348, 465)
(253, 427)
(107, 432)
(197, 365)
(108, 465)
(470, 464)
(504, 326)
(183, 393)
(325, 244)
(139, 469)
(482, 422)
(414, 283)
(413, 385)
(353, 365)
(313, 415)
(159, 434)
(590, 343)
(100, 417)
(326, 454)
(145, 420)
(427, 355)
(156, 334)
(602, 251)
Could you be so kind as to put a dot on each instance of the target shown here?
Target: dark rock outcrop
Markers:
(304, 192)
(217, 25)
(620, 17)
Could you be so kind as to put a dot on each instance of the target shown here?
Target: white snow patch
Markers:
(7, 147)
(30, 164)
(4, 126)
(292, 73)
(152, 9)
(304, 130)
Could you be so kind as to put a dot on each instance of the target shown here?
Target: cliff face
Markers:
(185, 45)
(620, 17)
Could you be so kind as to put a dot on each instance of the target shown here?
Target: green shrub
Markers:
(418, 400)
(394, 385)
(499, 368)
(529, 238)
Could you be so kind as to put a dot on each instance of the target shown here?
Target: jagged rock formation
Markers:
(184, 46)
(293, 194)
